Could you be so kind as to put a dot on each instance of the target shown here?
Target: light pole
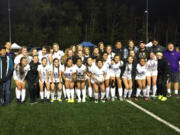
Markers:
(147, 23)
(9, 18)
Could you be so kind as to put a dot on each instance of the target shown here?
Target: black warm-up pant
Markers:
(33, 90)
(162, 85)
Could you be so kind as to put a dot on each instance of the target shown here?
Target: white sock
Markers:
(52, 95)
(59, 94)
(78, 92)
(68, 93)
(42, 95)
(113, 92)
(47, 94)
(90, 91)
(18, 94)
(138, 92)
(84, 93)
(176, 92)
(125, 93)
(96, 95)
(169, 91)
(64, 91)
(144, 92)
(120, 90)
(148, 90)
(154, 90)
(102, 95)
(129, 93)
(23, 95)
(107, 92)
(72, 93)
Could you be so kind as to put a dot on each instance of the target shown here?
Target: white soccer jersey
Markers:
(69, 71)
(80, 72)
(40, 56)
(44, 72)
(18, 76)
(141, 72)
(99, 73)
(128, 71)
(111, 56)
(90, 68)
(18, 59)
(56, 71)
(152, 65)
(58, 54)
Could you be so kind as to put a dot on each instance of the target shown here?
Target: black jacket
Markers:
(157, 48)
(163, 68)
(142, 54)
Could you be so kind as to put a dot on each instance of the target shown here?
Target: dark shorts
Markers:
(174, 77)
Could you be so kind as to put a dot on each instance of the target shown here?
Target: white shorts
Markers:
(152, 73)
(18, 79)
(108, 75)
(127, 76)
(143, 77)
(100, 79)
(115, 74)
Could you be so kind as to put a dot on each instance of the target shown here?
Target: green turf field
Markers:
(113, 118)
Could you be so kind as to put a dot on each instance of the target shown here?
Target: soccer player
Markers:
(69, 75)
(19, 77)
(141, 78)
(80, 80)
(44, 77)
(56, 79)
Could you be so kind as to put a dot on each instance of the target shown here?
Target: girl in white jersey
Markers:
(19, 77)
(56, 70)
(116, 66)
(141, 71)
(69, 75)
(152, 65)
(80, 80)
(90, 66)
(98, 75)
(44, 77)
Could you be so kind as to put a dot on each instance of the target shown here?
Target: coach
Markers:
(6, 70)
(173, 59)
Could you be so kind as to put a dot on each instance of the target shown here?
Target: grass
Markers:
(111, 118)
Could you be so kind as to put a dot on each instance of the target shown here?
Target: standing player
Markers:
(19, 77)
(152, 72)
(69, 75)
(44, 78)
(98, 76)
(55, 79)
(141, 78)
(80, 80)
(43, 53)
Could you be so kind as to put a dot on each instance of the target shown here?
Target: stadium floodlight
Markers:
(9, 19)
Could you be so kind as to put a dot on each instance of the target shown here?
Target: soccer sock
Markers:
(52, 95)
(18, 94)
(144, 92)
(120, 92)
(90, 91)
(42, 95)
(84, 93)
(68, 93)
(64, 91)
(45, 93)
(59, 94)
(113, 92)
(78, 92)
(125, 93)
(72, 93)
(148, 90)
(96, 95)
(169, 91)
(176, 92)
(102, 95)
(154, 90)
(23, 95)
(107, 92)
(138, 92)
(48, 94)
(129, 93)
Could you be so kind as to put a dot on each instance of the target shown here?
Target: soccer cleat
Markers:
(102, 100)
(177, 96)
(160, 97)
(146, 99)
(136, 99)
(79, 100)
(60, 100)
(164, 99)
(83, 100)
(112, 99)
(96, 101)
(169, 95)
(72, 100)
(42, 101)
(52, 101)
(121, 98)
(69, 100)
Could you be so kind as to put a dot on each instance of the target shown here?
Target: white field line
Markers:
(155, 116)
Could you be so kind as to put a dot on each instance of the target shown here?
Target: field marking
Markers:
(155, 116)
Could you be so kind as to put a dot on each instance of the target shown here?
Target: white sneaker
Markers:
(83, 100)
(113, 99)
(79, 100)
(121, 98)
